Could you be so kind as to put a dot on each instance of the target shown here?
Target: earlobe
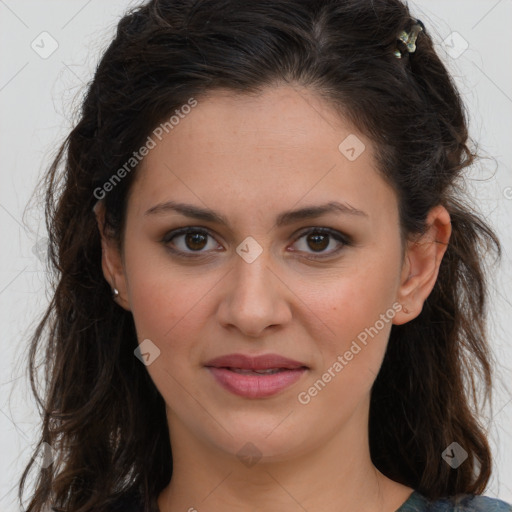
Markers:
(111, 261)
(421, 264)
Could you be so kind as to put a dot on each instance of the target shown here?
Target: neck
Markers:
(336, 475)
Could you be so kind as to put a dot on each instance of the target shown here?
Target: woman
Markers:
(270, 294)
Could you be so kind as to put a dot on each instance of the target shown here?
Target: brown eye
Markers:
(318, 242)
(195, 241)
(190, 240)
(323, 241)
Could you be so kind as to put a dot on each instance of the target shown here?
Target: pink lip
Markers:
(252, 385)
(263, 362)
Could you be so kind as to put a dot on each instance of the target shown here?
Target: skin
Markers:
(250, 158)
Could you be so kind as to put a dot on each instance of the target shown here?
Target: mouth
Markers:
(255, 377)
(271, 371)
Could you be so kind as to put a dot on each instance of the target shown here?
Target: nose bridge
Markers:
(253, 287)
(252, 276)
(255, 298)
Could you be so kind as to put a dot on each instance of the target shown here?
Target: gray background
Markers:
(40, 89)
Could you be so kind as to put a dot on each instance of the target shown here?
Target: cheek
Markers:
(354, 311)
(167, 301)
(350, 359)
(353, 299)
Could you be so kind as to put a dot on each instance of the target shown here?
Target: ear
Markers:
(421, 264)
(111, 259)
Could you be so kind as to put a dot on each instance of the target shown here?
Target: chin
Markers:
(268, 440)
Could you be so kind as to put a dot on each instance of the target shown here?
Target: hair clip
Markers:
(409, 39)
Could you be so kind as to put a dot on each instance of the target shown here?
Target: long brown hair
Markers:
(101, 412)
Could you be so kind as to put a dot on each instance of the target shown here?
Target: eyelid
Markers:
(166, 239)
(341, 238)
(323, 230)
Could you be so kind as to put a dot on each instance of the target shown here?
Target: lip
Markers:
(224, 371)
(262, 362)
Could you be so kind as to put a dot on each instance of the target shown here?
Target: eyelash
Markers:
(344, 240)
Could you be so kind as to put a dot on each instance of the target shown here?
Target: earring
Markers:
(115, 293)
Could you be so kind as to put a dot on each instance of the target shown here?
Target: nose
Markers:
(255, 298)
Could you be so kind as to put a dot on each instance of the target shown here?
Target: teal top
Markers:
(460, 503)
(415, 503)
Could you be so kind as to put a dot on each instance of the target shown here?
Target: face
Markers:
(250, 232)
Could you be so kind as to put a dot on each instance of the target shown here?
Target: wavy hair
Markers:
(101, 412)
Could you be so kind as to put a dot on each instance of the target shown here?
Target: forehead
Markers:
(280, 145)
(280, 118)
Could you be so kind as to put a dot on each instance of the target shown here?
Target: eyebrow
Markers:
(283, 219)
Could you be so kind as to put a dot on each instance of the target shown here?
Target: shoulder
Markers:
(458, 503)
(473, 503)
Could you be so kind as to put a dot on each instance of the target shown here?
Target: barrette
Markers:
(409, 39)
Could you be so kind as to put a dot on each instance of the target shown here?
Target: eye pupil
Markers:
(320, 242)
(195, 241)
